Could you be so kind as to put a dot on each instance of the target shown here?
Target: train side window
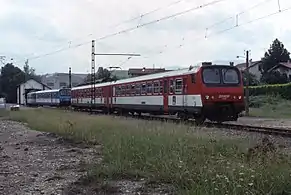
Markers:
(171, 86)
(178, 86)
(156, 87)
(144, 88)
(193, 78)
(123, 90)
(149, 88)
(119, 91)
(165, 86)
(127, 90)
(136, 89)
(161, 87)
(133, 89)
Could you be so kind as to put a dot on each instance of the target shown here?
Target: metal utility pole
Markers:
(70, 77)
(93, 72)
(247, 84)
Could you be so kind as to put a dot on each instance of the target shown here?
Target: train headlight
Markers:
(239, 97)
(234, 97)
(207, 97)
(212, 97)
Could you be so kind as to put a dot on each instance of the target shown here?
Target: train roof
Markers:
(44, 91)
(145, 77)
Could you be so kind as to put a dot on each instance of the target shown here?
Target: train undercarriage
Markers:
(217, 112)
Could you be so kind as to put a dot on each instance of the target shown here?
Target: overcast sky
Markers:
(30, 28)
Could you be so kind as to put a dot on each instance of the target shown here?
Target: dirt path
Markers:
(32, 162)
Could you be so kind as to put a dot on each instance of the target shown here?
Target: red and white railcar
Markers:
(214, 92)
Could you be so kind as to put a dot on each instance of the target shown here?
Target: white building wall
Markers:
(30, 84)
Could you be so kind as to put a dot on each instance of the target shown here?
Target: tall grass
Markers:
(272, 106)
(170, 154)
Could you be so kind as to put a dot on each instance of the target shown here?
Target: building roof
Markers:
(35, 81)
(284, 64)
(242, 66)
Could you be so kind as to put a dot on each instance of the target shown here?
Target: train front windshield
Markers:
(65, 92)
(220, 75)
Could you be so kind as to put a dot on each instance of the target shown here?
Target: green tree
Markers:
(30, 72)
(102, 75)
(253, 81)
(274, 77)
(276, 54)
(10, 78)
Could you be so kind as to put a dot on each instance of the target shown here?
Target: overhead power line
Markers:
(228, 29)
(131, 29)
(148, 13)
(251, 21)
(240, 13)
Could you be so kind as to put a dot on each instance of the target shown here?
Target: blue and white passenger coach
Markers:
(55, 97)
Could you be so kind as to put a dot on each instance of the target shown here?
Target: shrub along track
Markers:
(284, 132)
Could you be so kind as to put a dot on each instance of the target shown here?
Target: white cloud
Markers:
(37, 27)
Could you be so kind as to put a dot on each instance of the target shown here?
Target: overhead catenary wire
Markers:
(115, 25)
(233, 27)
(251, 21)
(130, 29)
(220, 22)
(240, 13)
(147, 13)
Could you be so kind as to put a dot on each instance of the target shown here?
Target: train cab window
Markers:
(171, 86)
(211, 76)
(149, 88)
(230, 76)
(193, 78)
(178, 86)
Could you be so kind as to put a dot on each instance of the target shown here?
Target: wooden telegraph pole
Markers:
(93, 72)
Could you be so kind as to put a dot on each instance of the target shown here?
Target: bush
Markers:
(283, 90)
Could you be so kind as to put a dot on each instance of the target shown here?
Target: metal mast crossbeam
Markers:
(93, 72)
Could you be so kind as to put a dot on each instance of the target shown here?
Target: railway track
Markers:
(284, 132)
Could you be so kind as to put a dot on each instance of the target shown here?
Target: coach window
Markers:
(149, 88)
(161, 87)
(129, 89)
(137, 89)
(122, 90)
(118, 93)
(171, 86)
(156, 87)
(132, 89)
(178, 86)
(144, 89)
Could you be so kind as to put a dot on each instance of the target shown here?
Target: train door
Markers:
(106, 96)
(110, 91)
(184, 92)
(165, 96)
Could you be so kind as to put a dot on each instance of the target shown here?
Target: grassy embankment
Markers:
(270, 106)
(167, 153)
